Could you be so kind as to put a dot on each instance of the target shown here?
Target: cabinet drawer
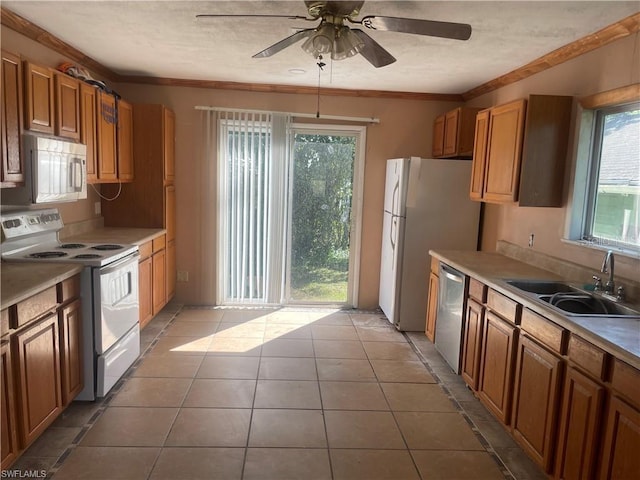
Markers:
(159, 243)
(4, 322)
(435, 265)
(145, 250)
(592, 359)
(477, 290)
(503, 306)
(626, 380)
(543, 330)
(68, 289)
(36, 305)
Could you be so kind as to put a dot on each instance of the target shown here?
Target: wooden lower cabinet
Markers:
(37, 377)
(432, 307)
(159, 260)
(620, 452)
(70, 319)
(580, 424)
(472, 343)
(536, 395)
(171, 269)
(145, 284)
(497, 365)
(8, 420)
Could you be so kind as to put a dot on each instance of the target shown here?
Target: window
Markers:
(605, 206)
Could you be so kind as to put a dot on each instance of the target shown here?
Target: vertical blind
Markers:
(252, 173)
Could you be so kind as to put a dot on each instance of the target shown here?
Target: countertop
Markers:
(23, 280)
(618, 336)
(124, 235)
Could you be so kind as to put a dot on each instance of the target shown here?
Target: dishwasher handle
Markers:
(451, 274)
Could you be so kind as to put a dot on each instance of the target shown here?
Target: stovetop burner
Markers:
(72, 245)
(47, 255)
(107, 246)
(87, 256)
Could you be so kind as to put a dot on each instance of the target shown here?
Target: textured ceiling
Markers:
(164, 39)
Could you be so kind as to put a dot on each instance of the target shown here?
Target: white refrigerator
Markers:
(426, 206)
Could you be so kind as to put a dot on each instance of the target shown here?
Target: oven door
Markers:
(116, 301)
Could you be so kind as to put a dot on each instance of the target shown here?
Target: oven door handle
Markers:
(112, 267)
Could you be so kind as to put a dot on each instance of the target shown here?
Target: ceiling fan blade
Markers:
(456, 31)
(289, 17)
(284, 43)
(373, 51)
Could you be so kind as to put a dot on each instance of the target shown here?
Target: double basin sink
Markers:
(573, 301)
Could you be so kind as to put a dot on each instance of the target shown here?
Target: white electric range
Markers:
(109, 292)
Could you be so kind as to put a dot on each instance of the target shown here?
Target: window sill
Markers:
(625, 252)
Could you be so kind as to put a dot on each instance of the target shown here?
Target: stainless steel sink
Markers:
(573, 301)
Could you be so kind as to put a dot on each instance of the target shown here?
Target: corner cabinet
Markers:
(453, 133)
(12, 174)
(520, 151)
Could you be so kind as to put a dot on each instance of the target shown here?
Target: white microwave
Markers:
(55, 171)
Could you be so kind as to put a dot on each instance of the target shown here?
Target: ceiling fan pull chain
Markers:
(321, 65)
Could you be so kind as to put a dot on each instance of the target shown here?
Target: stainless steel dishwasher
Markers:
(450, 312)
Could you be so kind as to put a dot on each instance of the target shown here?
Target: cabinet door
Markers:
(70, 318)
(159, 280)
(145, 286)
(38, 377)
(39, 99)
(451, 129)
(472, 343)
(497, 361)
(67, 106)
(125, 141)
(438, 136)
(479, 155)
(578, 437)
(432, 307)
(10, 137)
(88, 129)
(504, 149)
(170, 212)
(621, 448)
(171, 270)
(169, 126)
(8, 420)
(535, 401)
(107, 122)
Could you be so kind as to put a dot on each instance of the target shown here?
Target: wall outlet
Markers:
(97, 208)
(531, 237)
(183, 276)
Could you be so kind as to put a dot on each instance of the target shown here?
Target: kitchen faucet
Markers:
(608, 259)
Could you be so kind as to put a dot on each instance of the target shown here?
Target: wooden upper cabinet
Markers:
(479, 155)
(39, 98)
(504, 147)
(169, 145)
(522, 157)
(67, 106)
(106, 128)
(89, 129)
(12, 173)
(438, 136)
(125, 141)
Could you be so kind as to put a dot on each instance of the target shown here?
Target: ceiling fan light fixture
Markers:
(321, 41)
(346, 44)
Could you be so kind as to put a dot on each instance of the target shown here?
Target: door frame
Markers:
(355, 229)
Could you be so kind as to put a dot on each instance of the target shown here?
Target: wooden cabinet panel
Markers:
(39, 99)
(625, 380)
(8, 418)
(504, 149)
(159, 260)
(89, 128)
(497, 359)
(106, 128)
(507, 308)
(459, 132)
(432, 307)
(70, 319)
(145, 285)
(169, 128)
(590, 358)
(451, 124)
(170, 212)
(437, 148)
(125, 141)
(37, 377)
(477, 290)
(580, 426)
(621, 447)
(472, 343)
(35, 306)
(479, 155)
(546, 332)
(171, 270)
(68, 121)
(536, 394)
(12, 173)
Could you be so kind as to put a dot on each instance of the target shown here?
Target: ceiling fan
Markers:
(332, 37)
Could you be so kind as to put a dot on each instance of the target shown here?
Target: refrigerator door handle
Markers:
(394, 195)
(394, 225)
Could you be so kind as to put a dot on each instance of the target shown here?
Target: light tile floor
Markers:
(276, 395)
